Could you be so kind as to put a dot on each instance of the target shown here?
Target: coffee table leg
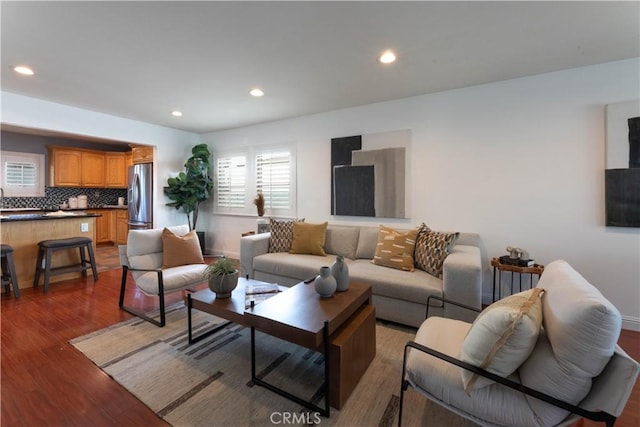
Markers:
(326, 411)
(193, 340)
(327, 388)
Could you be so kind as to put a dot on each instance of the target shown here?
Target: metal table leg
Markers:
(326, 411)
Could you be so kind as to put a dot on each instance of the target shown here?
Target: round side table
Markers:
(499, 268)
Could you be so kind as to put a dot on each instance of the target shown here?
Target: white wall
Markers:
(173, 146)
(520, 162)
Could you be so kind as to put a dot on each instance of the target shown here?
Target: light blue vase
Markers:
(340, 271)
(325, 284)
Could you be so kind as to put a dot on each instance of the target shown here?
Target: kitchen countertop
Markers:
(5, 211)
(37, 216)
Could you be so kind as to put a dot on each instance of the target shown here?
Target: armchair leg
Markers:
(123, 285)
(404, 385)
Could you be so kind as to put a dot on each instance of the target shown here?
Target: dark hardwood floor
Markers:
(45, 381)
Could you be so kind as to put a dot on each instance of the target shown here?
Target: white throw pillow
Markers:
(502, 337)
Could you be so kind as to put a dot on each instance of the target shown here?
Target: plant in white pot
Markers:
(222, 276)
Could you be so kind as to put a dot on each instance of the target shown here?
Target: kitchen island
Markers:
(23, 231)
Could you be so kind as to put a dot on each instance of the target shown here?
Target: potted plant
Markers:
(192, 187)
(222, 276)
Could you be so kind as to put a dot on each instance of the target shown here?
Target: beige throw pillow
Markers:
(308, 238)
(180, 250)
(395, 248)
(432, 247)
(502, 337)
(281, 234)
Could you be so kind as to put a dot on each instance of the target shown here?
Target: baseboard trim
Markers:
(631, 323)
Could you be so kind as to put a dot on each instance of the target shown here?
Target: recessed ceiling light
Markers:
(256, 92)
(387, 57)
(176, 113)
(23, 69)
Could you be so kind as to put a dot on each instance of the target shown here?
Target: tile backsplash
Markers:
(54, 196)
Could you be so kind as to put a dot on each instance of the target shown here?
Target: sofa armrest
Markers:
(462, 281)
(251, 247)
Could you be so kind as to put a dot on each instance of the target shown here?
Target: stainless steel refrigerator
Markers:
(140, 196)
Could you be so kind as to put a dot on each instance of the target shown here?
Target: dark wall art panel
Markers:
(368, 175)
(622, 174)
(622, 190)
(354, 190)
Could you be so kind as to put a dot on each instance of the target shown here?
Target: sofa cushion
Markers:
(502, 337)
(414, 287)
(432, 247)
(395, 249)
(367, 243)
(180, 249)
(281, 234)
(308, 238)
(342, 241)
(580, 331)
(298, 266)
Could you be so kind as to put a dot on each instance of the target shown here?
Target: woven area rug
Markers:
(208, 383)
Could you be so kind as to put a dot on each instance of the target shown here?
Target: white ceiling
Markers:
(140, 60)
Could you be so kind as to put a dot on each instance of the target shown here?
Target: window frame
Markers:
(19, 157)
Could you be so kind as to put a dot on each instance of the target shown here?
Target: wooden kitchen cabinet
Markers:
(142, 154)
(65, 168)
(122, 226)
(77, 167)
(104, 225)
(93, 170)
(116, 170)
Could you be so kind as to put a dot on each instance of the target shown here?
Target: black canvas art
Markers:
(622, 184)
(368, 175)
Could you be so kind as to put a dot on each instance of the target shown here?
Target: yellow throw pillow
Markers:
(395, 248)
(502, 337)
(180, 250)
(308, 238)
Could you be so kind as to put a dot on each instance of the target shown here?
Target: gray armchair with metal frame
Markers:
(143, 257)
(574, 371)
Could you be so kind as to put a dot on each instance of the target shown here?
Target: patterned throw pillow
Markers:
(502, 337)
(281, 234)
(432, 248)
(395, 249)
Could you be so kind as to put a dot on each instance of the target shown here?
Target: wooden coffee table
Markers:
(231, 309)
(341, 327)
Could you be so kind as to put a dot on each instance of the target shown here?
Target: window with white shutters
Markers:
(273, 179)
(22, 174)
(269, 170)
(231, 180)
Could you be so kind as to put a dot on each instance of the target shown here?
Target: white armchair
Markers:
(143, 256)
(575, 369)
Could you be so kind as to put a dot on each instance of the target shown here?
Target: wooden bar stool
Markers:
(9, 270)
(45, 252)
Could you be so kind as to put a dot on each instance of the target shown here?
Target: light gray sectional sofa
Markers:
(398, 296)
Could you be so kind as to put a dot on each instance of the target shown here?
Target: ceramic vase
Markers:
(340, 272)
(325, 283)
